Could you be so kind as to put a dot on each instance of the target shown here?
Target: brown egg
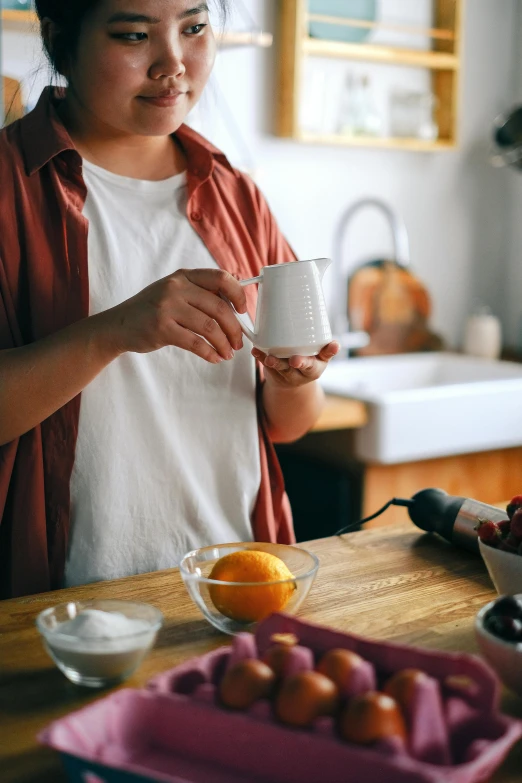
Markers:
(371, 717)
(460, 682)
(304, 697)
(338, 665)
(284, 638)
(401, 686)
(245, 683)
(280, 651)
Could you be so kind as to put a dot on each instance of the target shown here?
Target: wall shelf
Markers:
(18, 17)
(441, 61)
(378, 142)
(14, 19)
(381, 54)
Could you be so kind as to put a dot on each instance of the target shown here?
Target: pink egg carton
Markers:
(175, 730)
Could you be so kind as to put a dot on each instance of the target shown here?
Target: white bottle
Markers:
(368, 121)
(345, 123)
(483, 335)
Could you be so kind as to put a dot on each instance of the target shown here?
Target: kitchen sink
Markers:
(422, 406)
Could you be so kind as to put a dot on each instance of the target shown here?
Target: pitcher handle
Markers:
(244, 328)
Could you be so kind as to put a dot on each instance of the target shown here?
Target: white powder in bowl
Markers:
(100, 644)
(95, 624)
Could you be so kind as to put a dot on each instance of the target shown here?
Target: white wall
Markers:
(513, 289)
(457, 208)
(454, 203)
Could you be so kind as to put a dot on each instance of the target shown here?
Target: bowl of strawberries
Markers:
(500, 545)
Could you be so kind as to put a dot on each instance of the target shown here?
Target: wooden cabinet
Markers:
(441, 61)
(485, 476)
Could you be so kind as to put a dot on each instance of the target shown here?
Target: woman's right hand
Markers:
(184, 309)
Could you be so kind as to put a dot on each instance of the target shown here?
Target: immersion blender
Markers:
(453, 518)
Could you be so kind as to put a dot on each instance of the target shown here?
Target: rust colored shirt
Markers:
(44, 287)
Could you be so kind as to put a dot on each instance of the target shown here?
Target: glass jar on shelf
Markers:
(358, 115)
(412, 115)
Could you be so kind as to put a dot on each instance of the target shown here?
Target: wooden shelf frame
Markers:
(227, 40)
(442, 60)
(379, 142)
(417, 58)
(19, 17)
(428, 32)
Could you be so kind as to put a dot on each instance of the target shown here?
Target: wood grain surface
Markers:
(392, 583)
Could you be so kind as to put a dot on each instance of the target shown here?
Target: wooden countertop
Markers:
(390, 583)
(341, 413)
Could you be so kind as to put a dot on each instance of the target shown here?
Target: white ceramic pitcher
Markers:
(291, 317)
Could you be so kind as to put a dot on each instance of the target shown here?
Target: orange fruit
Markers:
(251, 603)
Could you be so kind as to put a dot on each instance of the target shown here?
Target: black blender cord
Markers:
(392, 502)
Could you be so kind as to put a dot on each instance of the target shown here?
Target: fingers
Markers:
(183, 338)
(214, 306)
(329, 351)
(272, 362)
(297, 370)
(219, 282)
(220, 312)
(304, 364)
(201, 323)
(307, 365)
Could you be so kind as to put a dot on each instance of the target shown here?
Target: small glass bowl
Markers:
(196, 566)
(98, 663)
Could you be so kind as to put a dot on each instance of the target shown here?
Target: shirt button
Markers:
(196, 215)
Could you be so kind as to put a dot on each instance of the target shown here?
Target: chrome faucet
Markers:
(401, 255)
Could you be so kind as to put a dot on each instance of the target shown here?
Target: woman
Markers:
(119, 229)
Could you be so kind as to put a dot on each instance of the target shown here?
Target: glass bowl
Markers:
(503, 656)
(96, 662)
(196, 566)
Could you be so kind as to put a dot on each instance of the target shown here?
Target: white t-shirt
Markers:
(167, 457)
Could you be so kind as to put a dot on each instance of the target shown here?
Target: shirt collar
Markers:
(200, 153)
(44, 136)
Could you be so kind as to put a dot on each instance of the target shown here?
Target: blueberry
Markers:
(507, 606)
(507, 628)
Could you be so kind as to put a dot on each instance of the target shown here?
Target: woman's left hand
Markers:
(297, 370)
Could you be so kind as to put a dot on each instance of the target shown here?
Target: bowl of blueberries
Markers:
(498, 629)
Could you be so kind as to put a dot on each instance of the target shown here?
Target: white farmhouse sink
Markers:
(431, 404)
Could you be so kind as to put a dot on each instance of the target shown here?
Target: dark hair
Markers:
(68, 16)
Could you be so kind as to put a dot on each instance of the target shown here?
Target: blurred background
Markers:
(386, 135)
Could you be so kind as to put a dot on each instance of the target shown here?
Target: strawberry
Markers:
(488, 531)
(504, 527)
(516, 525)
(505, 546)
(516, 502)
(512, 541)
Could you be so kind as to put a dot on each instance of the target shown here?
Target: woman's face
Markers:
(141, 65)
